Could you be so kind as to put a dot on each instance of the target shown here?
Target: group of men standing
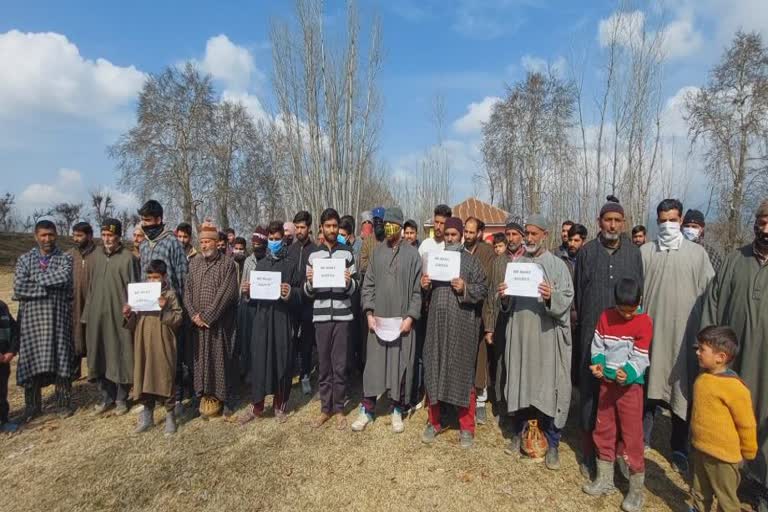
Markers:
(459, 342)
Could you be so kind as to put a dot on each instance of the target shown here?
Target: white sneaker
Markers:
(362, 421)
(397, 422)
(306, 387)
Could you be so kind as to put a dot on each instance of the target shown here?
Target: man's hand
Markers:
(502, 289)
(7, 357)
(488, 338)
(458, 285)
(245, 287)
(310, 274)
(127, 311)
(198, 321)
(347, 278)
(621, 376)
(597, 370)
(371, 323)
(426, 282)
(285, 290)
(407, 325)
(545, 289)
(162, 301)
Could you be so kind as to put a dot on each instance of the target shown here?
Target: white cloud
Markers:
(477, 114)
(672, 117)
(68, 186)
(225, 61)
(534, 64)
(681, 39)
(44, 72)
(249, 101)
(622, 27)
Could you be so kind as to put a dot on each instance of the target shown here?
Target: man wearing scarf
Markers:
(391, 289)
(537, 355)
(83, 256)
(42, 285)
(271, 329)
(110, 345)
(737, 298)
(450, 348)
(677, 273)
(210, 299)
(494, 322)
(600, 264)
(241, 349)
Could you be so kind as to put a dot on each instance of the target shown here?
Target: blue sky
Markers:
(69, 71)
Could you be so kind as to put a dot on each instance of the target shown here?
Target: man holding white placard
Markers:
(537, 354)
(450, 348)
(331, 286)
(390, 291)
(273, 289)
(110, 345)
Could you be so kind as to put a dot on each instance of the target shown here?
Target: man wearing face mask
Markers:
(369, 243)
(677, 273)
(390, 290)
(210, 299)
(42, 285)
(737, 299)
(600, 264)
(538, 351)
(83, 256)
(450, 348)
(693, 230)
(271, 344)
(239, 255)
(110, 345)
(243, 333)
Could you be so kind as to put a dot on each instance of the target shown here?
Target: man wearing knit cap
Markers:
(537, 355)
(243, 335)
(366, 224)
(390, 290)
(677, 273)
(110, 344)
(370, 242)
(737, 298)
(600, 264)
(450, 348)
(693, 230)
(210, 299)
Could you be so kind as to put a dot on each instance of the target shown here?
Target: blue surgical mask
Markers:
(274, 246)
(341, 239)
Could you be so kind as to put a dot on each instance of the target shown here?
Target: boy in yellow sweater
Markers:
(723, 427)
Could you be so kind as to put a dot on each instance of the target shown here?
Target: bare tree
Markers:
(328, 108)
(7, 221)
(37, 215)
(527, 149)
(102, 205)
(730, 115)
(128, 219)
(166, 155)
(66, 215)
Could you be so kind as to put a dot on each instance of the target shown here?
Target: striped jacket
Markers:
(623, 344)
(332, 304)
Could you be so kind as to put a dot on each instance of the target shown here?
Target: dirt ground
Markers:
(89, 463)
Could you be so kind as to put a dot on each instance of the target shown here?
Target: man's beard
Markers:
(513, 247)
(469, 244)
(209, 253)
(84, 243)
(610, 237)
(532, 248)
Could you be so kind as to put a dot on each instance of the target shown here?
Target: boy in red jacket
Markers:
(619, 359)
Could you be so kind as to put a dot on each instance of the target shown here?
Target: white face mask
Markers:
(670, 235)
(692, 234)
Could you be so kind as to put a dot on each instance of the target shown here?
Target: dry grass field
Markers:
(88, 463)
